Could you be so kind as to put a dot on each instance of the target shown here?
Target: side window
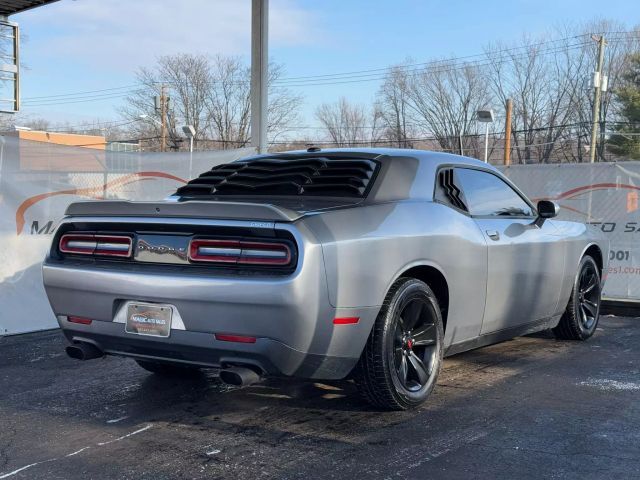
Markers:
(488, 194)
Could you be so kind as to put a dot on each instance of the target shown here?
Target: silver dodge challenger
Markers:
(369, 264)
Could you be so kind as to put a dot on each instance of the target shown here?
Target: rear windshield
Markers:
(318, 177)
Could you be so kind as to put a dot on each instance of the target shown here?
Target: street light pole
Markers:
(486, 144)
(485, 116)
(190, 131)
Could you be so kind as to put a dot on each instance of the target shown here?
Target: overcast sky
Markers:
(80, 45)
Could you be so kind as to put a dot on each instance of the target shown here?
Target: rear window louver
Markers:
(309, 176)
(452, 192)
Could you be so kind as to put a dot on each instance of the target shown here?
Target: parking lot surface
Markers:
(532, 407)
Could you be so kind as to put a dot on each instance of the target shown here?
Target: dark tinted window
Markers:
(487, 194)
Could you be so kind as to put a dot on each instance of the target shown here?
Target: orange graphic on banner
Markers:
(91, 192)
(632, 201)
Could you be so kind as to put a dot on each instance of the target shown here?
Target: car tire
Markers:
(168, 369)
(580, 319)
(401, 361)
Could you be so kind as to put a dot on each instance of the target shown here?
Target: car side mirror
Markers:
(546, 209)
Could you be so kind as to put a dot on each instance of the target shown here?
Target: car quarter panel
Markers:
(367, 248)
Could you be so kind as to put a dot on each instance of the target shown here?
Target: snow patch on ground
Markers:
(610, 385)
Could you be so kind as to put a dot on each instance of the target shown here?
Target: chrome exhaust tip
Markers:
(239, 376)
(84, 351)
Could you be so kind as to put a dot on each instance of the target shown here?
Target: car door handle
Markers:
(493, 234)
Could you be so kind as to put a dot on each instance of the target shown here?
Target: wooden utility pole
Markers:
(507, 133)
(597, 95)
(163, 119)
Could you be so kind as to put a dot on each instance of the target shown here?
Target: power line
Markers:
(80, 100)
(92, 126)
(80, 93)
(358, 76)
(447, 66)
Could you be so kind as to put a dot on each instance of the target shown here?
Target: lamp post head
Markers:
(189, 131)
(485, 116)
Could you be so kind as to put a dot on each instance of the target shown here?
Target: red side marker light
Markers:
(234, 338)
(80, 320)
(346, 320)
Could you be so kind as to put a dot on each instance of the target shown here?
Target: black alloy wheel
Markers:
(580, 319)
(401, 361)
(415, 344)
(588, 296)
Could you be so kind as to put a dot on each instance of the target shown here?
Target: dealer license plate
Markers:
(148, 319)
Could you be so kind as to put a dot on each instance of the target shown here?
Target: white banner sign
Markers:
(39, 180)
(604, 194)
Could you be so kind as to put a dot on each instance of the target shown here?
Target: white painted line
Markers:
(125, 436)
(77, 452)
(15, 472)
(116, 420)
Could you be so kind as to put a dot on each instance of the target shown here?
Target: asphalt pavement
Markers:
(533, 407)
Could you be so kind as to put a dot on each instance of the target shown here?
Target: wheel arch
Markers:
(436, 280)
(594, 251)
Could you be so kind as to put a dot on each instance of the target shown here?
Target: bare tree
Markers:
(187, 79)
(347, 123)
(229, 102)
(550, 84)
(212, 95)
(393, 108)
(444, 99)
(542, 83)
(621, 45)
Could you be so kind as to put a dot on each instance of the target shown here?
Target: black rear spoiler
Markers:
(191, 209)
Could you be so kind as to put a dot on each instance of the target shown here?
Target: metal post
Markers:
(259, 69)
(507, 134)
(596, 99)
(16, 84)
(163, 119)
(190, 157)
(486, 144)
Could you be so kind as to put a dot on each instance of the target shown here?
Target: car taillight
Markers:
(234, 338)
(80, 320)
(102, 245)
(239, 252)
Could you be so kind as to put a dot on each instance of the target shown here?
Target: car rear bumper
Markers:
(202, 349)
(291, 317)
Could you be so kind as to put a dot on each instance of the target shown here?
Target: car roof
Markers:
(400, 174)
(434, 157)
